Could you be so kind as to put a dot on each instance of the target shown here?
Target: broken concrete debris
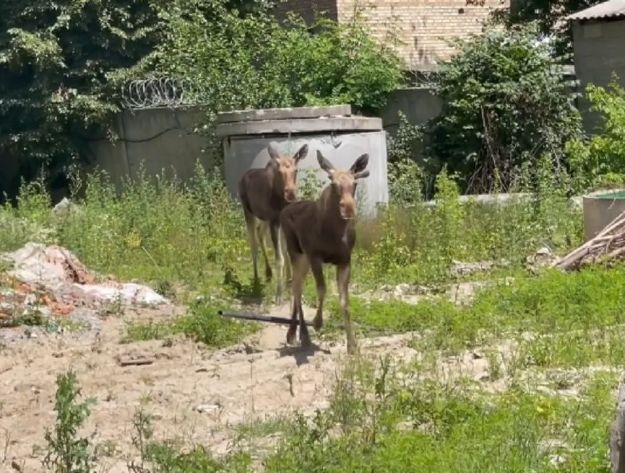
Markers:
(45, 280)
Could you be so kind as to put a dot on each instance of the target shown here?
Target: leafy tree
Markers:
(56, 58)
(602, 158)
(233, 60)
(550, 15)
(506, 105)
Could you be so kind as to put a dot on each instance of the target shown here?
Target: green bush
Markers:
(506, 105)
(56, 58)
(66, 452)
(601, 159)
(252, 61)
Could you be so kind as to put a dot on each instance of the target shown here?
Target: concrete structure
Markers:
(332, 130)
(600, 208)
(163, 139)
(422, 28)
(599, 45)
(418, 104)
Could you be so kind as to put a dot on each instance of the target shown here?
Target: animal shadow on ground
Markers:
(301, 354)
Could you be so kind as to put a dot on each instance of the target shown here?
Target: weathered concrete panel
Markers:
(599, 53)
(159, 139)
(283, 113)
(418, 104)
(299, 125)
(243, 153)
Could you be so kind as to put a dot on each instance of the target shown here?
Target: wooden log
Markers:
(607, 235)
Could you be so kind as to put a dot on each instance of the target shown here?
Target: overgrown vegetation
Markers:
(252, 61)
(56, 62)
(602, 158)
(507, 107)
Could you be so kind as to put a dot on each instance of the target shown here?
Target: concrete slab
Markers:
(299, 125)
(283, 113)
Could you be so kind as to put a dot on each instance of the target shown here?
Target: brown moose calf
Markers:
(323, 232)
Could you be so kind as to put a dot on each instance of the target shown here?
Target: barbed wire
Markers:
(153, 93)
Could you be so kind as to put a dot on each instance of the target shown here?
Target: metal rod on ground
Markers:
(259, 318)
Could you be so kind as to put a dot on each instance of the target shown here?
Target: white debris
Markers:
(59, 271)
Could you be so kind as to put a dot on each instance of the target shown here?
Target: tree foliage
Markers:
(55, 61)
(233, 60)
(550, 16)
(602, 158)
(507, 105)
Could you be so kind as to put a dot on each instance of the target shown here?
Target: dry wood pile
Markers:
(609, 244)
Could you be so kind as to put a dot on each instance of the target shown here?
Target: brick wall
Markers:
(421, 26)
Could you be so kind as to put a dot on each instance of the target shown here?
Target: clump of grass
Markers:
(201, 324)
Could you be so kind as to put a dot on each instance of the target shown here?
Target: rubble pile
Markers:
(50, 280)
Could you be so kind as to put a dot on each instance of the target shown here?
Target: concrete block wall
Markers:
(598, 48)
(307, 9)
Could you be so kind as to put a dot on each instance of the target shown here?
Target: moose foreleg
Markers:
(342, 279)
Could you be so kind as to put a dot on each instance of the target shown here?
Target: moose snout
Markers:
(290, 195)
(347, 210)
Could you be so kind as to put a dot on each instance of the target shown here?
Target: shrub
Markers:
(602, 158)
(66, 452)
(405, 175)
(251, 61)
(506, 105)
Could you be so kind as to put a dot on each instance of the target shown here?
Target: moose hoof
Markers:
(290, 334)
(318, 322)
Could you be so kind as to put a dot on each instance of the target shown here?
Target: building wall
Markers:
(599, 52)
(307, 8)
(157, 140)
(422, 27)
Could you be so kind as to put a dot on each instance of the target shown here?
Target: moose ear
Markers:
(361, 175)
(273, 153)
(360, 164)
(325, 164)
(301, 153)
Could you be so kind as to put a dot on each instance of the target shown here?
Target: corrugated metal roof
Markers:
(605, 10)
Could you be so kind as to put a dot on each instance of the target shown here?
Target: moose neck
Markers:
(328, 205)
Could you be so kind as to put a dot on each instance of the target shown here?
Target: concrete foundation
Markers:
(600, 208)
(340, 137)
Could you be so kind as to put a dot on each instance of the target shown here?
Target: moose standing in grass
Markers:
(323, 232)
(264, 193)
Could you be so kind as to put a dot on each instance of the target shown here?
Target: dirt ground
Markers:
(196, 395)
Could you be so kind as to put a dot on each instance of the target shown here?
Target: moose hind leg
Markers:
(251, 234)
(277, 247)
(300, 269)
(317, 270)
(261, 231)
(342, 279)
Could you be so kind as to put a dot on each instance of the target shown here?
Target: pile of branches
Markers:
(609, 244)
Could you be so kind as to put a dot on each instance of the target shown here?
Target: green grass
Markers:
(435, 427)
(554, 304)
(201, 324)
(192, 235)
